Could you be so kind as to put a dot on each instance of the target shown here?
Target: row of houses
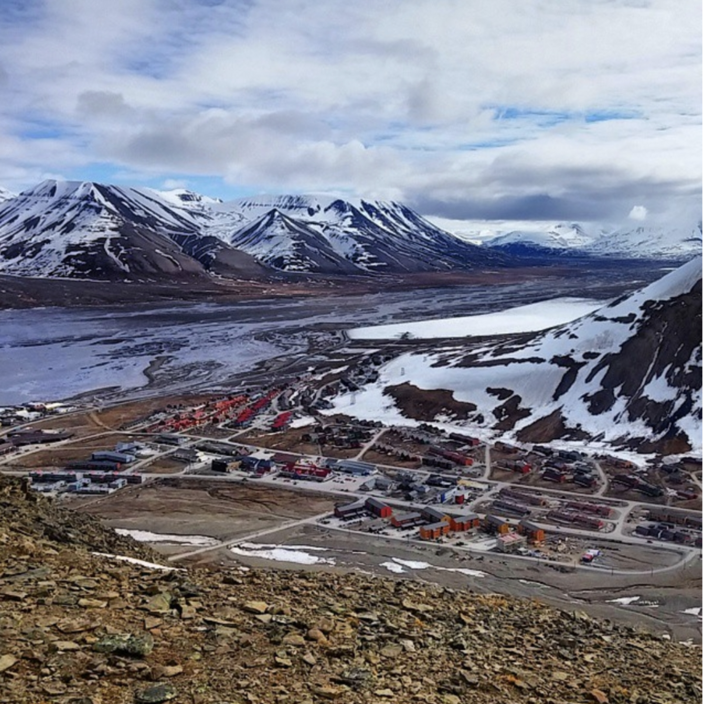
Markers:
(434, 523)
(636, 483)
(665, 532)
(27, 437)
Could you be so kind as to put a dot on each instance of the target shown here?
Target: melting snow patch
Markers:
(285, 555)
(465, 571)
(413, 565)
(695, 611)
(422, 565)
(305, 421)
(625, 600)
(296, 547)
(149, 537)
(393, 567)
(523, 319)
(136, 561)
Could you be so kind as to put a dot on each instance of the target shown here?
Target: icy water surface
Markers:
(56, 353)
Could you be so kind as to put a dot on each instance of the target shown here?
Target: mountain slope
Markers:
(371, 236)
(630, 373)
(6, 195)
(563, 237)
(82, 624)
(287, 244)
(82, 229)
(649, 243)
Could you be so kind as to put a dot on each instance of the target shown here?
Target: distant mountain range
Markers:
(572, 239)
(83, 229)
(90, 230)
(628, 374)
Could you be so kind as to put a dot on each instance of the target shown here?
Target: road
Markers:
(249, 537)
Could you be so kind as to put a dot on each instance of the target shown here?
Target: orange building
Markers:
(464, 523)
(495, 525)
(534, 532)
(435, 515)
(434, 531)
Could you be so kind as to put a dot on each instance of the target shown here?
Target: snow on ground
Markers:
(284, 555)
(398, 565)
(137, 561)
(304, 421)
(695, 611)
(625, 600)
(393, 567)
(522, 319)
(303, 547)
(150, 537)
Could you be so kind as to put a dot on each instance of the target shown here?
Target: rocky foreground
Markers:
(76, 627)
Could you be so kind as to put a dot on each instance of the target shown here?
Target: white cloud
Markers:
(638, 213)
(601, 101)
(170, 184)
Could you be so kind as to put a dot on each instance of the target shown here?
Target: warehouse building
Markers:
(510, 542)
(379, 508)
(354, 467)
(112, 456)
(495, 525)
(435, 515)
(351, 510)
(406, 520)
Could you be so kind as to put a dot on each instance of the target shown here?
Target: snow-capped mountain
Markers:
(651, 242)
(6, 195)
(83, 229)
(629, 374)
(562, 237)
(330, 235)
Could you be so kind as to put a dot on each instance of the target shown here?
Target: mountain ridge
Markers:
(629, 374)
(75, 228)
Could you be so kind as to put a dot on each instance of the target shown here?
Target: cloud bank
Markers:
(543, 109)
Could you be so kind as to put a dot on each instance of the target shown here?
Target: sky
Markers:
(496, 110)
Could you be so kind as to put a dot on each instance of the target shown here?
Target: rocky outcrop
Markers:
(80, 627)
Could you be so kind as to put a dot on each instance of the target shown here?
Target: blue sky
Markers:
(465, 109)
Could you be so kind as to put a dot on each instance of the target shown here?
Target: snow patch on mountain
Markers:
(74, 228)
(563, 236)
(628, 373)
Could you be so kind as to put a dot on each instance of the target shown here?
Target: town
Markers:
(409, 483)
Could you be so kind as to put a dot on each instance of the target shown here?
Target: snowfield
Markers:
(522, 319)
(577, 370)
(150, 537)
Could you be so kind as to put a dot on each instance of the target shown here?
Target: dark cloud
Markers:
(594, 200)
(102, 104)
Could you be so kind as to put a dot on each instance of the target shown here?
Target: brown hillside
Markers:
(80, 628)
